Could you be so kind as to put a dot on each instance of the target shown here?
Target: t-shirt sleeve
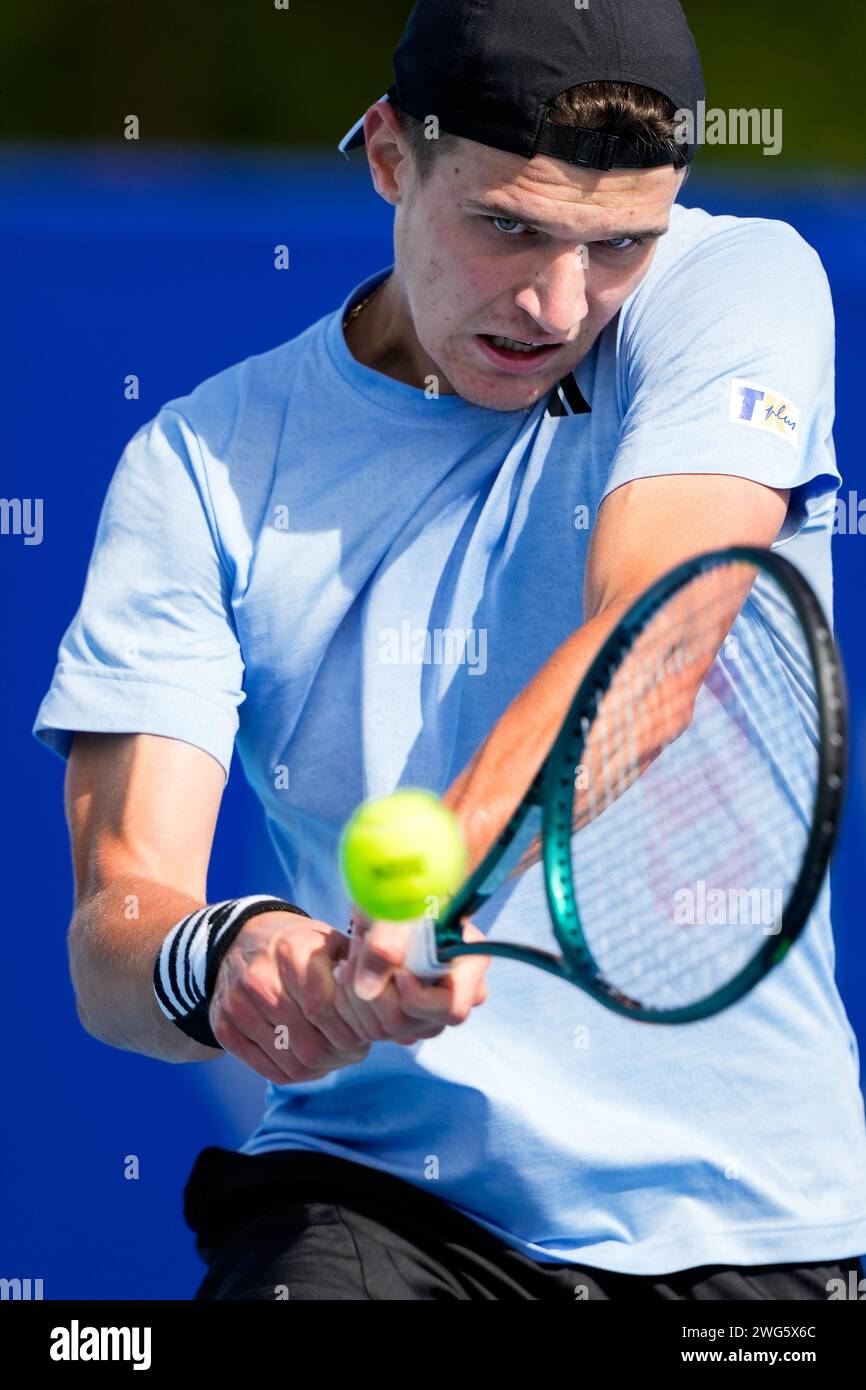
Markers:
(727, 366)
(153, 647)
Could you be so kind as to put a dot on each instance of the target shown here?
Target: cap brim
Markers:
(355, 137)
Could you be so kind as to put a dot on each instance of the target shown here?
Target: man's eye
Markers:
(510, 225)
(623, 243)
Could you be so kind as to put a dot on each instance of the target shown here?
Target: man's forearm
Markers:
(492, 785)
(113, 940)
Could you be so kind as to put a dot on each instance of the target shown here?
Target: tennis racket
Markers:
(687, 811)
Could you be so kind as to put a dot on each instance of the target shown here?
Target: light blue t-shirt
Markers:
(353, 581)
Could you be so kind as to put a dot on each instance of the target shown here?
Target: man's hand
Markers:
(282, 1005)
(375, 970)
(277, 1006)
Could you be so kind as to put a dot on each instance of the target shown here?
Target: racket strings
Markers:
(693, 792)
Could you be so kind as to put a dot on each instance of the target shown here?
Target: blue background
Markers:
(163, 266)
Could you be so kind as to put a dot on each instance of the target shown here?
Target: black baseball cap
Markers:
(490, 70)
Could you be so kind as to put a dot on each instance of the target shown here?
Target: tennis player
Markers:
(383, 554)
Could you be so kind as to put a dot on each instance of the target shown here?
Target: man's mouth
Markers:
(516, 344)
(514, 354)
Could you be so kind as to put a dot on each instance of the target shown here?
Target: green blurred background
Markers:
(244, 72)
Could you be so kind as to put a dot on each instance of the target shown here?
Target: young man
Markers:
(555, 376)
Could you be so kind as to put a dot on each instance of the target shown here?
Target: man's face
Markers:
(494, 245)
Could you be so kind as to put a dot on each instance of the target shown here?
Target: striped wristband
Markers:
(185, 970)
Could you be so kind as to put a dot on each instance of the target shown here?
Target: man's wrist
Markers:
(186, 966)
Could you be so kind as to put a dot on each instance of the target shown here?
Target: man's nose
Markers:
(556, 298)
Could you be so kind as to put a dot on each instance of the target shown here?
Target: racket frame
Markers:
(552, 791)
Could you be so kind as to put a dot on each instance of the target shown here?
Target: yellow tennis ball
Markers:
(399, 851)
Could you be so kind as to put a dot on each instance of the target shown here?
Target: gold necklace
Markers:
(353, 313)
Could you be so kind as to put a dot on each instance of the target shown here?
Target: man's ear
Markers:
(387, 152)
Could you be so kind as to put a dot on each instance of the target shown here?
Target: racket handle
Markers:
(421, 957)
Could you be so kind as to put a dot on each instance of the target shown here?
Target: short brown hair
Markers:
(617, 108)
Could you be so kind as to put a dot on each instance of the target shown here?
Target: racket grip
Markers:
(421, 957)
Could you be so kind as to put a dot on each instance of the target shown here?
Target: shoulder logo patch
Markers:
(761, 408)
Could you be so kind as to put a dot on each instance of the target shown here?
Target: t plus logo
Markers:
(761, 408)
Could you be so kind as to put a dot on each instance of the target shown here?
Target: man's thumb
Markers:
(381, 951)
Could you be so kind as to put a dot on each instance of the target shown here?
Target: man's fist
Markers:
(376, 966)
(285, 1003)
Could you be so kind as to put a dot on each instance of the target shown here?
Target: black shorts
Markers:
(299, 1225)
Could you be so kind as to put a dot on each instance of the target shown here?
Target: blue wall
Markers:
(163, 267)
